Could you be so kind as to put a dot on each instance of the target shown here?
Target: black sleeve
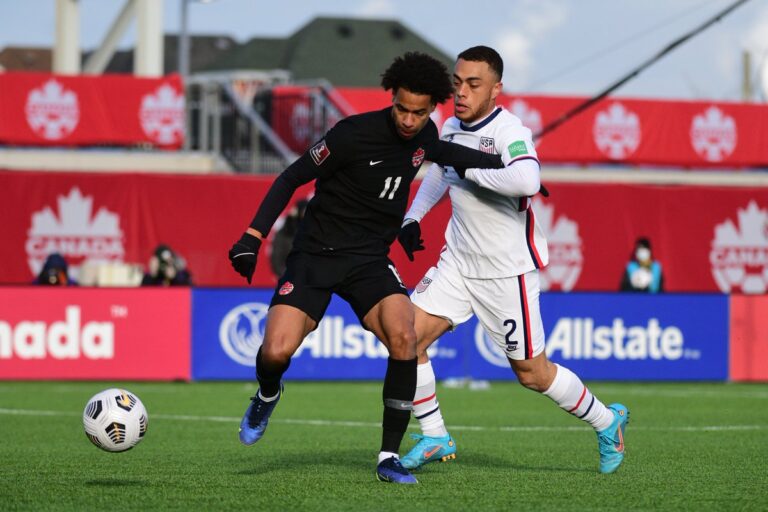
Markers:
(297, 174)
(447, 153)
(319, 161)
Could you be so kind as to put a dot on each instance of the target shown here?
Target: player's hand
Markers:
(242, 255)
(410, 238)
(543, 190)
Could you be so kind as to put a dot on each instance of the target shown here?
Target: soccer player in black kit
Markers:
(363, 169)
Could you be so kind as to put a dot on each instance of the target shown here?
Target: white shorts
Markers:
(507, 308)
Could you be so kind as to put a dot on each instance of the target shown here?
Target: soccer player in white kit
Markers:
(490, 264)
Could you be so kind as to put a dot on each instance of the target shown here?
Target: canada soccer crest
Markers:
(418, 157)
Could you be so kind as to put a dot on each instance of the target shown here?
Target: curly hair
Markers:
(419, 73)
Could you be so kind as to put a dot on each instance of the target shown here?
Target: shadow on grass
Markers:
(116, 482)
(364, 460)
(483, 461)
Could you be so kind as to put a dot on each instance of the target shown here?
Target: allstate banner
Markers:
(598, 336)
(603, 336)
(228, 329)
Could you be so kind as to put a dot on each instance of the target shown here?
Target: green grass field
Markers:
(689, 447)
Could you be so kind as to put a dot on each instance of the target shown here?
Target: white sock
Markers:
(425, 406)
(386, 455)
(572, 395)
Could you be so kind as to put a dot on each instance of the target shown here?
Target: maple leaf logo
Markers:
(530, 117)
(713, 135)
(162, 115)
(739, 254)
(564, 242)
(52, 111)
(617, 131)
(75, 232)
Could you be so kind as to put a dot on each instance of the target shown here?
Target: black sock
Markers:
(269, 376)
(399, 389)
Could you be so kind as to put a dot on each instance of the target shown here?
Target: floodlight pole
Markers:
(184, 42)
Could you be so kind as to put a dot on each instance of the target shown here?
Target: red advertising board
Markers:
(749, 338)
(41, 109)
(707, 238)
(94, 334)
(634, 131)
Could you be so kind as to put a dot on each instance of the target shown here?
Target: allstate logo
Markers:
(490, 351)
(242, 331)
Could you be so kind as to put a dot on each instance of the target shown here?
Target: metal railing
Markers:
(232, 114)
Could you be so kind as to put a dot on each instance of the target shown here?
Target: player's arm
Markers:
(431, 190)
(521, 176)
(461, 157)
(320, 160)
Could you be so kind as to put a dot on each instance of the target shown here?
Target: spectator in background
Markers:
(166, 268)
(55, 272)
(283, 240)
(643, 274)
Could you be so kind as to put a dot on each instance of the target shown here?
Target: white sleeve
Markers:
(432, 188)
(521, 178)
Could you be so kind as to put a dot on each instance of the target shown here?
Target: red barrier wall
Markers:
(71, 333)
(678, 133)
(708, 239)
(749, 338)
(49, 110)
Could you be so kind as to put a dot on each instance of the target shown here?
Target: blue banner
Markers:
(600, 336)
(228, 329)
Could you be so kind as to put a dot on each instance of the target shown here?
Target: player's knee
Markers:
(275, 354)
(402, 343)
(532, 380)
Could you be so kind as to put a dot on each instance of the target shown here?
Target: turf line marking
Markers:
(364, 424)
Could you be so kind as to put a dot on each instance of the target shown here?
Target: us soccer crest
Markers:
(487, 145)
(418, 157)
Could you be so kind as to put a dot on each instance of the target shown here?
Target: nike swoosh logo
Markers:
(429, 453)
(372, 163)
(620, 446)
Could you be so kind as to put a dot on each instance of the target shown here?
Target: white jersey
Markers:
(493, 231)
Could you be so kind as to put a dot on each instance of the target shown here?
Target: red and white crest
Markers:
(286, 288)
(418, 157)
(320, 152)
(423, 284)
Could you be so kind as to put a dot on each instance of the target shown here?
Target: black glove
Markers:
(543, 190)
(242, 255)
(410, 238)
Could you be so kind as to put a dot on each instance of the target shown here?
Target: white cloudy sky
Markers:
(549, 46)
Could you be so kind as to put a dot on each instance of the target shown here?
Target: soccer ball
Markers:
(115, 420)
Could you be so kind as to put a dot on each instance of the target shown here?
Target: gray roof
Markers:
(345, 51)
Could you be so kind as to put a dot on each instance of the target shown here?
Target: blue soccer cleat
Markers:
(611, 440)
(390, 470)
(430, 449)
(256, 417)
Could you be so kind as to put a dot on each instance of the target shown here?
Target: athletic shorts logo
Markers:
(487, 145)
(418, 157)
(517, 148)
(423, 285)
(320, 152)
(286, 288)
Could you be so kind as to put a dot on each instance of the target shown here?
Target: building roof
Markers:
(18, 58)
(345, 51)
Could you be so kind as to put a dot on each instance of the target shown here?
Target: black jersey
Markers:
(363, 171)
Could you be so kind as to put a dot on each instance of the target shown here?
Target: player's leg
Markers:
(285, 330)
(296, 308)
(391, 320)
(524, 346)
(441, 303)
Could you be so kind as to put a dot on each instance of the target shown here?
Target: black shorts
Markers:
(310, 280)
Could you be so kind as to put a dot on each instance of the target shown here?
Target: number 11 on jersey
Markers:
(387, 183)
